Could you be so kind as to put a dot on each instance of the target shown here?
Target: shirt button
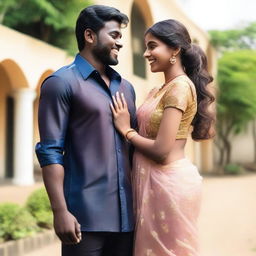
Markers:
(119, 150)
(121, 188)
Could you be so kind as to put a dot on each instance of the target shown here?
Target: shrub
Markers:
(233, 169)
(39, 206)
(16, 222)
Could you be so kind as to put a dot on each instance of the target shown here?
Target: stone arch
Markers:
(41, 79)
(15, 74)
(140, 19)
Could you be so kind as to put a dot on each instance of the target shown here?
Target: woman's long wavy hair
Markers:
(194, 61)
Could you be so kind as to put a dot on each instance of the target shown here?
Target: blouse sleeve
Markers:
(177, 96)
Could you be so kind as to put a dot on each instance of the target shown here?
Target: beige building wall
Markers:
(25, 64)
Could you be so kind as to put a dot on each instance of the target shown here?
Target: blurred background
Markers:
(37, 38)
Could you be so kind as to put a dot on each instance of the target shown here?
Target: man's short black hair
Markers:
(94, 17)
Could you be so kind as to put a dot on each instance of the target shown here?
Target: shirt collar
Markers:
(86, 69)
(113, 74)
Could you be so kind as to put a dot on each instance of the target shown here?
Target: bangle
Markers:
(128, 131)
(130, 135)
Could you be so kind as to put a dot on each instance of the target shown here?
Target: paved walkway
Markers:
(228, 217)
(16, 194)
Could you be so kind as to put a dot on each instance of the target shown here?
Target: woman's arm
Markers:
(157, 149)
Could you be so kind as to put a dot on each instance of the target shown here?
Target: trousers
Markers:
(101, 244)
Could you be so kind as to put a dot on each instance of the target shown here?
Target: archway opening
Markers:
(11, 78)
(6, 125)
(138, 28)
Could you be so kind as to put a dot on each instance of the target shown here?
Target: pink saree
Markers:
(166, 201)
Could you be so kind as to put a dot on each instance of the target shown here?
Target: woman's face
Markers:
(157, 53)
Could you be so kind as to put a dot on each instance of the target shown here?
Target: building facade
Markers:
(25, 62)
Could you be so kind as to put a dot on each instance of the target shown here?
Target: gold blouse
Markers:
(180, 93)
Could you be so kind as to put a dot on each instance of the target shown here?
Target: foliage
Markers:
(236, 105)
(5, 5)
(237, 81)
(233, 169)
(18, 222)
(234, 39)
(237, 85)
(38, 205)
(15, 222)
(52, 21)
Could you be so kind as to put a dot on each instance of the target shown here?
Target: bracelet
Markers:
(130, 135)
(127, 132)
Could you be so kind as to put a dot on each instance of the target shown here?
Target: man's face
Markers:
(108, 43)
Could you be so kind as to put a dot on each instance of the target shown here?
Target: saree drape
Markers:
(166, 200)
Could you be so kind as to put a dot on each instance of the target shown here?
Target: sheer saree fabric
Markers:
(166, 199)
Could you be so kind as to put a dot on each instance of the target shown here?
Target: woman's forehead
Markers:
(149, 38)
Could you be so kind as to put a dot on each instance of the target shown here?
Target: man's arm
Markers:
(65, 224)
(53, 118)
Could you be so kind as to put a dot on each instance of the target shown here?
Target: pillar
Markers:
(23, 137)
(207, 156)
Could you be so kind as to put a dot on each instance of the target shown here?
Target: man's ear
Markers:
(89, 36)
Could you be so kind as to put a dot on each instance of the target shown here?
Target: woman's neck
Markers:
(172, 72)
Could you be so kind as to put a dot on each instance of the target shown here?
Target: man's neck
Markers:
(101, 68)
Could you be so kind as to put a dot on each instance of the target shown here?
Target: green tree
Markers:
(5, 5)
(52, 21)
(236, 105)
(235, 40)
(230, 40)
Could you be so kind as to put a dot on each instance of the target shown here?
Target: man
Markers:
(84, 160)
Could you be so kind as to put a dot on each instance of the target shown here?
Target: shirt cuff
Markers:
(50, 152)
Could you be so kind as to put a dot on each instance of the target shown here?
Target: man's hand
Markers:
(67, 227)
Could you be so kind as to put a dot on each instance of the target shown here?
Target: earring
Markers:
(173, 59)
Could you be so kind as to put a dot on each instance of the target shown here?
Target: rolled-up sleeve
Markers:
(53, 115)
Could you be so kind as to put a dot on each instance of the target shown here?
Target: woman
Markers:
(167, 186)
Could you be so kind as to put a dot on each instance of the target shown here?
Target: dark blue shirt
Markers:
(77, 131)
